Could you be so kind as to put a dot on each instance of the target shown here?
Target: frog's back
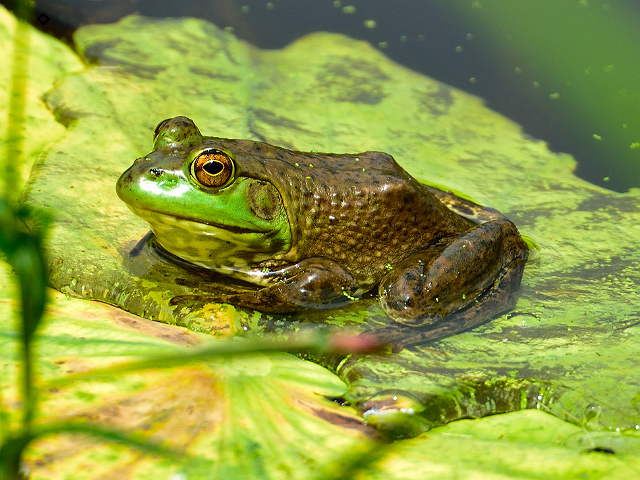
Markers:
(362, 210)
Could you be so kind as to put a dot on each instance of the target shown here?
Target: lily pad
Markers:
(257, 416)
(570, 343)
(264, 417)
(46, 61)
(540, 447)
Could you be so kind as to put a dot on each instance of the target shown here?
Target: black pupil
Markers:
(213, 167)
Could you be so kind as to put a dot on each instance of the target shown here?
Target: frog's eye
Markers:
(212, 168)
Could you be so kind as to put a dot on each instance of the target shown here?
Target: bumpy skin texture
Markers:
(315, 229)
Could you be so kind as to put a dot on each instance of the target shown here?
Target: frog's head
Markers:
(200, 205)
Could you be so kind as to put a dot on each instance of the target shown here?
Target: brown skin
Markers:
(348, 223)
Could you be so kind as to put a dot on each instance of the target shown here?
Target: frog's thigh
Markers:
(426, 286)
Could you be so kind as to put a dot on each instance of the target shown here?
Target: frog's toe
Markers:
(404, 301)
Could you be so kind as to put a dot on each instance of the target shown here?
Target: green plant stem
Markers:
(30, 267)
(27, 387)
(14, 153)
(301, 343)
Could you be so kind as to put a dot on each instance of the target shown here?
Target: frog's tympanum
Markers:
(318, 230)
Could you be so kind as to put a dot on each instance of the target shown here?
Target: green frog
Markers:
(313, 230)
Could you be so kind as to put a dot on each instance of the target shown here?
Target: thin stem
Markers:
(27, 387)
(14, 156)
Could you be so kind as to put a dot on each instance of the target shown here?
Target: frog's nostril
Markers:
(155, 172)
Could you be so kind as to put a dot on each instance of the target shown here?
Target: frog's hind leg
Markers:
(497, 300)
(467, 271)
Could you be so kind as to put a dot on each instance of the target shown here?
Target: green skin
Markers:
(314, 230)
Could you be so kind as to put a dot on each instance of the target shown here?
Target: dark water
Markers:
(455, 42)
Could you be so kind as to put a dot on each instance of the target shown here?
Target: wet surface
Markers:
(572, 346)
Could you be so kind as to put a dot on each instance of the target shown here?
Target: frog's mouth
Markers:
(165, 221)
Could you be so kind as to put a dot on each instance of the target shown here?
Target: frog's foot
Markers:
(500, 298)
(464, 273)
(310, 283)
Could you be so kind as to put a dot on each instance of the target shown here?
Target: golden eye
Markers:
(212, 168)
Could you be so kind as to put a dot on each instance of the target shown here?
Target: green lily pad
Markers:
(491, 448)
(256, 416)
(78, 335)
(260, 417)
(570, 343)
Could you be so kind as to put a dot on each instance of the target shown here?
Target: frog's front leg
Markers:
(431, 284)
(312, 282)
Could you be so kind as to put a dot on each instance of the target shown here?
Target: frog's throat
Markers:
(213, 246)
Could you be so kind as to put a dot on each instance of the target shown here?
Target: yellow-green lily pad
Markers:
(569, 346)
(263, 417)
(46, 61)
(266, 415)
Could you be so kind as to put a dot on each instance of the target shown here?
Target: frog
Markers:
(315, 230)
